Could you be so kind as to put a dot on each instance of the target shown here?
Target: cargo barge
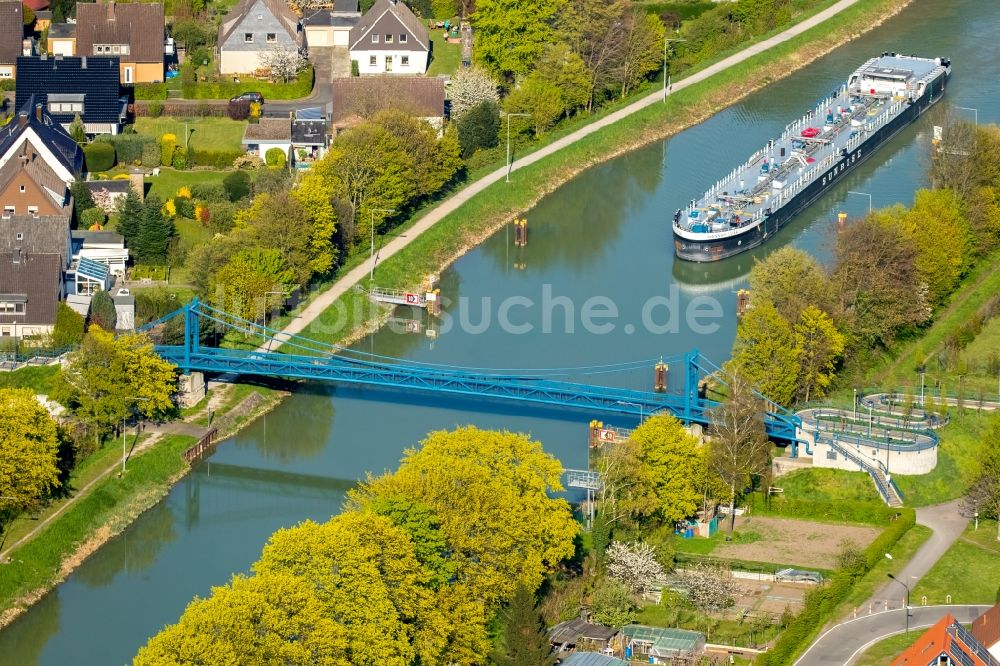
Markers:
(756, 199)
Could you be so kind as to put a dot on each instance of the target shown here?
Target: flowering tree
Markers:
(709, 588)
(469, 88)
(283, 61)
(634, 565)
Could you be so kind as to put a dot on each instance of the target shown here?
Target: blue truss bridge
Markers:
(182, 337)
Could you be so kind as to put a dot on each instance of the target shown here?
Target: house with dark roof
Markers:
(30, 288)
(310, 136)
(359, 98)
(390, 39)
(252, 27)
(331, 27)
(986, 630)
(35, 133)
(580, 634)
(133, 32)
(87, 86)
(48, 234)
(11, 37)
(947, 643)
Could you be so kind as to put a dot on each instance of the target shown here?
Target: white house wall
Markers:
(418, 62)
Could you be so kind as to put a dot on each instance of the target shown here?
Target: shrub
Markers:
(151, 155)
(275, 157)
(99, 156)
(248, 161)
(254, 111)
(238, 109)
(220, 159)
(92, 217)
(150, 91)
(209, 192)
(223, 90)
(479, 127)
(180, 161)
(185, 207)
(128, 147)
(168, 145)
(237, 185)
(355, 70)
(154, 109)
(68, 331)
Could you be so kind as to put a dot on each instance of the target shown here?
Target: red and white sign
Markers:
(413, 299)
(606, 435)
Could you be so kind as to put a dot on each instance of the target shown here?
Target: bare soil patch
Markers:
(798, 542)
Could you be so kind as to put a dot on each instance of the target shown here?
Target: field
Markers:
(169, 181)
(798, 542)
(446, 58)
(205, 133)
(969, 571)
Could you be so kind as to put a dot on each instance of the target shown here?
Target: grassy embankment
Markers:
(484, 213)
(886, 650)
(969, 571)
(104, 512)
(109, 506)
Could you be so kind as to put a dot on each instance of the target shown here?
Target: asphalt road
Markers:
(841, 644)
(322, 92)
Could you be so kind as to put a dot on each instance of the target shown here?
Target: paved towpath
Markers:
(450, 205)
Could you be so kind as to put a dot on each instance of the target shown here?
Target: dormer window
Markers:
(388, 39)
(248, 38)
(374, 38)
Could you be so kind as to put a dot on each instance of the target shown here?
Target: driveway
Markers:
(323, 59)
(841, 644)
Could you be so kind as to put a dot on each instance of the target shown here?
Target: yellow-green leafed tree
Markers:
(765, 354)
(109, 379)
(938, 227)
(28, 449)
(491, 491)
(315, 196)
(256, 621)
(820, 346)
(365, 570)
(674, 461)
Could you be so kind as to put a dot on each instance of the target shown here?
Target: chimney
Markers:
(22, 119)
(83, 62)
(38, 112)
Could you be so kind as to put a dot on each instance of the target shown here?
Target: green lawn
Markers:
(825, 485)
(886, 650)
(205, 133)
(169, 181)
(969, 571)
(962, 441)
(39, 379)
(445, 58)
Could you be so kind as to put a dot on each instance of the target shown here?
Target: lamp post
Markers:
(124, 449)
(371, 275)
(266, 294)
(869, 404)
(633, 404)
(666, 83)
(521, 115)
(922, 389)
(855, 405)
(906, 587)
(975, 112)
(863, 194)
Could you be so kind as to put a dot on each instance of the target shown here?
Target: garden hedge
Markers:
(228, 89)
(99, 156)
(219, 159)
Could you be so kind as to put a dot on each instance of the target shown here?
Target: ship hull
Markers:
(723, 248)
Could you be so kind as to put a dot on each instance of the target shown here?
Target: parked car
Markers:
(249, 97)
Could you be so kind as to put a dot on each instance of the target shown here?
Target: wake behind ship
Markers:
(759, 197)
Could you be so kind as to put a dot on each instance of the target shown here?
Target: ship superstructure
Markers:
(757, 198)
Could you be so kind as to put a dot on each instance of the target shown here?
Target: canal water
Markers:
(605, 234)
